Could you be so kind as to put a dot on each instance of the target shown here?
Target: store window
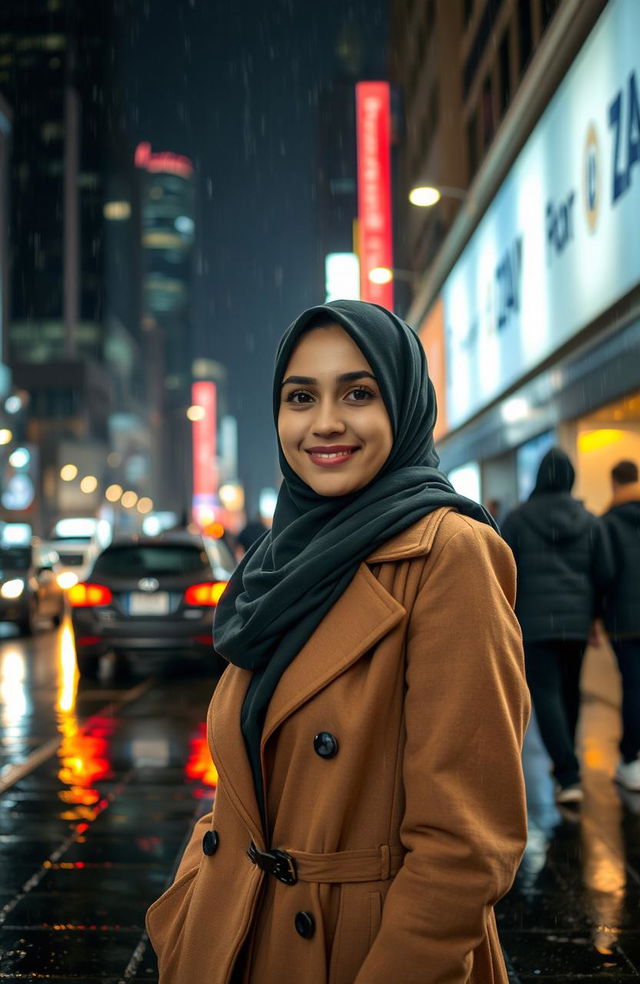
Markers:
(504, 63)
(547, 10)
(472, 145)
(466, 480)
(525, 33)
(488, 122)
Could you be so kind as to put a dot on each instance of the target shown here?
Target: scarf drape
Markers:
(288, 581)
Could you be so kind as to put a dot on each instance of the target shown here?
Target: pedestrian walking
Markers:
(621, 610)
(561, 557)
(370, 810)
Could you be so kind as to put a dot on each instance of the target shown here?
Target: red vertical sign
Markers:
(205, 473)
(373, 131)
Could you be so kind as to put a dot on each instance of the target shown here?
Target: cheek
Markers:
(288, 432)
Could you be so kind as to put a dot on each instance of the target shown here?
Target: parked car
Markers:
(29, 586)
(149, 597)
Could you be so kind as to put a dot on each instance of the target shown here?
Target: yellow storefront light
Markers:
(595, 440)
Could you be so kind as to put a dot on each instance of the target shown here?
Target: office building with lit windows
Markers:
(167, 207)
(66, 342)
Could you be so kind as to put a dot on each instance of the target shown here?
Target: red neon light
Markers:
(373, 132)
(165, 163)
(205, 472)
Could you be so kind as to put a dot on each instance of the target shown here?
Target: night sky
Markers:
(234, 86)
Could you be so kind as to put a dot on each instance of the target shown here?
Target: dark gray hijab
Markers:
(291, 577)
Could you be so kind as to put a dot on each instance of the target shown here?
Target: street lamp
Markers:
(426, 195)
(384, 275)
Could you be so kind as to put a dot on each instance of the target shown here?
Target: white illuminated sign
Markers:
(559, 244)
(342, 277)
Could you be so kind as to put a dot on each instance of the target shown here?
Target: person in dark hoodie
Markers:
(561, 556)
(621, 610)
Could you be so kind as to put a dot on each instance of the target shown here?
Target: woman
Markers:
(563, 565)
(370, 809)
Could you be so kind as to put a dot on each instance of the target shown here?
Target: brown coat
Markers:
(405, 838)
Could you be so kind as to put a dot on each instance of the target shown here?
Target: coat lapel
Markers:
(228, 748)
(363, 614)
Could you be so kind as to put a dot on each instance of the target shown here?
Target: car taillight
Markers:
(83, 595)
(207, 593)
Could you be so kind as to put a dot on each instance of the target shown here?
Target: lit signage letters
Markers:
(560, 223)
(626, 136)
(508, 283)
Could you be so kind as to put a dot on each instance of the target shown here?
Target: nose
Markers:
(328, 419)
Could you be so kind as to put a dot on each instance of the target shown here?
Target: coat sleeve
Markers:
(466, 709)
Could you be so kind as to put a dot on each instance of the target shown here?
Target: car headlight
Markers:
(12, 588)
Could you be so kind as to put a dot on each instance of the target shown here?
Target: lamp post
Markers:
(425, 195)
(384, 275)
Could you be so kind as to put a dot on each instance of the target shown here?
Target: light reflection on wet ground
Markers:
(91, 835)
(574, 913)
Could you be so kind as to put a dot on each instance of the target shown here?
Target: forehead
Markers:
(326, 349)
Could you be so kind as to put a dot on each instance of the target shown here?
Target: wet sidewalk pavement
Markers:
(574, 912)
(92, 835)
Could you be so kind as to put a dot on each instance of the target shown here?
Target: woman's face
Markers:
(333, 426)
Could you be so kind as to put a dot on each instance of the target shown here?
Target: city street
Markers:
(108, 784)
(100, 788)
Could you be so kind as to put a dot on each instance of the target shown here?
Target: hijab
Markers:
(288, 581)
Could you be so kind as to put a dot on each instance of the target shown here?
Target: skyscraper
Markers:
(56, 69)
(167, 247)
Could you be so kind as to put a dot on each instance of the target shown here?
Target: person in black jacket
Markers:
(561, 555)
(621, 610)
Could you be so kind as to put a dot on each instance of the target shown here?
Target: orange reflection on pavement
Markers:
(199, 765)
(67, 673)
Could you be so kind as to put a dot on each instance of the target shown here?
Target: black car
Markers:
(29, 586)
(149, 597)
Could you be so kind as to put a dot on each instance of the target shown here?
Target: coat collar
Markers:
(416, 541)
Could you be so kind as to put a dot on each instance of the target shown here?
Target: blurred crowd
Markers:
(577, 575)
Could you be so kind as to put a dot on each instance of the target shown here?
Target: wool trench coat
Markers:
(406, 820)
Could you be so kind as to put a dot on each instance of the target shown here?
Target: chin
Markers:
(334, 486)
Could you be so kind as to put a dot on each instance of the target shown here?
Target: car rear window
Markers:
(18, 558)
(73, 559)
(147, 560)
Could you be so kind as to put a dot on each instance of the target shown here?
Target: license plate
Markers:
(149, 604)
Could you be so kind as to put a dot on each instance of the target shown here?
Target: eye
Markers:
(361, 394)
(298, 397)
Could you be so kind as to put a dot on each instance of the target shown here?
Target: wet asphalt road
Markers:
(100, 784)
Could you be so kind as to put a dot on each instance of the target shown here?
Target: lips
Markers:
(331, 455)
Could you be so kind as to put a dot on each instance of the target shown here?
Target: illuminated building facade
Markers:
(528, 299)
(56, 72)
(167, 206)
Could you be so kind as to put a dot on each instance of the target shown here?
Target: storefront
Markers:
(534, 338)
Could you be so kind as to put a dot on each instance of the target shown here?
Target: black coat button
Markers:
(305, 924)
(325, 745)
(210, 842)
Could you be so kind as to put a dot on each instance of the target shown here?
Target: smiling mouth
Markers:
(331, 455)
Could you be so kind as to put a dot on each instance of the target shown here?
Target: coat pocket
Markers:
(357, 925)
(166, 916)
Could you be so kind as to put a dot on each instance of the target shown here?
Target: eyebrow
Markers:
(345, 377)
